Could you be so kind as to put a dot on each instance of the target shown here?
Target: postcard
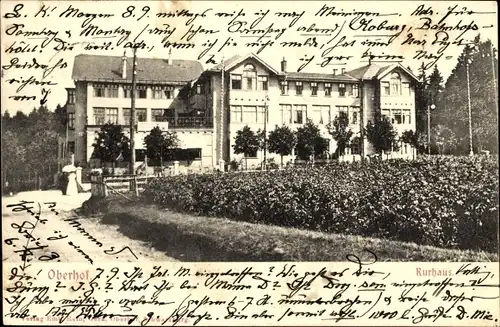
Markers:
(250, 163)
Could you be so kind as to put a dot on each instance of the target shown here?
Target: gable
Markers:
(250, 63)
(405, 76)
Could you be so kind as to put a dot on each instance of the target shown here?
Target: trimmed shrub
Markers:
(448, 202)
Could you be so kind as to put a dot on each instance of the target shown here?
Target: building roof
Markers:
(377, 71)
(95, 68)
(235, 60)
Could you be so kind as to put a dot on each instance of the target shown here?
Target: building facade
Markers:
(206, 108)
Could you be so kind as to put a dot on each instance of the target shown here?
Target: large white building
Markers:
(207, 107)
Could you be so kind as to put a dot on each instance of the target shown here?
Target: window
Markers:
(199, 89)
(320, 114)
(105, 115)
(71, 147)
(235, 82)
(71, 120)
(105, 91)
(127, 92)
(236, 114)
(298, 88)
(99, 118)
(71, 96)
(162, 93)
(355, 90)
(343, 109)
(314, 89)
(342, 89)
(354, 113)
(328, 89)
(112, 91)
(261, 113)
(406, 89)
(99, 91)
(250, 75)
(111, 115)
(299, 114)
(140, 115)
(284, 88)
(386, 88)
(286, 113)
(395, 84)
(142, 93)
(249, 114)
(397, 116)
(263, 83)
(406, 116)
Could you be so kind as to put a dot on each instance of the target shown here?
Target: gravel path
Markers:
(56, 234)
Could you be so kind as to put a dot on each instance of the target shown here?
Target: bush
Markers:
(449, 202)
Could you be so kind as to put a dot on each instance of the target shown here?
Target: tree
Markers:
(310, 143)
(61, 117)
(443, 138)
(421, 98)
(282, 140)
(340, 132)
(159, 143)
(435, 87)
(414, 139)
(382, 135)
(110, 143)
(246, 142)
(453, 101)
(13, 152)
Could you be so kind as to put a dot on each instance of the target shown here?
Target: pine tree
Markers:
(421, 99)
(453, 102)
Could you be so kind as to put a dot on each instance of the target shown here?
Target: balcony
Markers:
(186, 122)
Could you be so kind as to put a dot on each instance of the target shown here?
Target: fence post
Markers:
(176, 168)
(136, 186)
(104, 188)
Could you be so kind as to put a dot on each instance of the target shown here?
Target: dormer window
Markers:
(328, 89)
(342, 89)
(284, 87)
(298, 88)
(314, 88)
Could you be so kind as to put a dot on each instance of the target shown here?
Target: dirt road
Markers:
(76, 239)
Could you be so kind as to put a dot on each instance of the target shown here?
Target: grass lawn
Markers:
(193, 238)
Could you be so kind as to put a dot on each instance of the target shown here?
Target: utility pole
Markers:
(265, 133)
(471, 149)
(493, 70)
(222, 115)
(132, 116)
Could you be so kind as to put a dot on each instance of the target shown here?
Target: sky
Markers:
(293, 21)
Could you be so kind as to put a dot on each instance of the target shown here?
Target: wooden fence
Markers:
(105, 185)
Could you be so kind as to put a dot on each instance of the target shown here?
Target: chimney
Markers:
(283, 65)
(169, 59)
(334, 71)
(124, 66)
(343, 71)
